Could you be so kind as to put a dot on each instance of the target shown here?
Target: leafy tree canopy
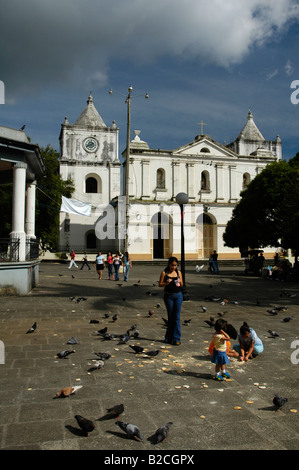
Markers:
(268, 212)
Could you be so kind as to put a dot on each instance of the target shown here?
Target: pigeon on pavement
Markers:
(136, 348)
(287, 319)
(67, 391)
(131, 430)
(116, 410)
(72, 340)
(278, 401)
(151, 353)
(32, 328)
(85, 424)
(162, 432)
(103, 356)
(63, 354)
(102, 331)
(273, 334)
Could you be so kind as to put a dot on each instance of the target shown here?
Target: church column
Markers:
(18, 208)
(145, 178)
(175, 179)
(190, 180)
(219, 182)
(232, 183)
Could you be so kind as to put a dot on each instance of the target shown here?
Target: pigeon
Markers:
(131, 430)
(204, 309)
(150, 313)
(114, 318)
(136, 348)
(108, 336)
(162, 433)
(152, 353)
(273, 334)
(220, 314)
(273, 311)
(72, 298)
(32, 328)
(210, 323)
(287, 319)
(278, 401)
(125, 337)
(106, 315)
(136, 334)
(102, 331)
(97, 365)
(72, 340)
(199, 268)
(63, 354)
(158, 305)
(186, 322)
(116, 410)
(94, 321)
(133, 327)
(280, 308)
(103, 356)
(67, 391)
(85, 424)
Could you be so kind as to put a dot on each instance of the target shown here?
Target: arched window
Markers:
(93, 184)
(205, 150)
(246, 181)
(205, 181)
(160, 183)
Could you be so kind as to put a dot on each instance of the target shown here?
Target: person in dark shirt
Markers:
(172, 281)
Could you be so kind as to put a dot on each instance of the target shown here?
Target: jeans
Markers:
(215, 267)
(110, 270)
(173, 303)
(126, 272)
(116, 267)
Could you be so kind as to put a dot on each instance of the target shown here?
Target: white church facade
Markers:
(211, 174)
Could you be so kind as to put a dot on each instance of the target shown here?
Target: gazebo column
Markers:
(30, 215)
(18, 208)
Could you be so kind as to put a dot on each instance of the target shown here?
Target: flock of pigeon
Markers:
(132, 430)
(86, 425)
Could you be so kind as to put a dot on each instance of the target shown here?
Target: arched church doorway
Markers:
(206, 235)
(161, 224)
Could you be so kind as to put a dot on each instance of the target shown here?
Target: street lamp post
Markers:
(127, 168)
(181, 199)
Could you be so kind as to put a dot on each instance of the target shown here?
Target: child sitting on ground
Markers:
(249, 345)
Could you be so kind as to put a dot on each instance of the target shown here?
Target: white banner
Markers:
(72, 206)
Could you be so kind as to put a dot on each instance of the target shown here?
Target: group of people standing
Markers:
(113, 263)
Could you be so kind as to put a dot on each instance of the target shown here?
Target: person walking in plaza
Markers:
(215, 262)
(172, 281)
(117, 264)
(250, 345)
(100, 264)
(85, 262)
(110, 265)
(127, 264)
(219, 357)
(73, 262)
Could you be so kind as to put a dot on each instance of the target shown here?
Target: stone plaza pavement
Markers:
(177, 385)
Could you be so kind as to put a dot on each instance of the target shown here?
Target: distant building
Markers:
(212, 174)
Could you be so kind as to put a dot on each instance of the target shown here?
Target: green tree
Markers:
(50, 188)
(268, 212)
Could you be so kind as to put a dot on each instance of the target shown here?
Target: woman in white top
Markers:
(100, 264)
